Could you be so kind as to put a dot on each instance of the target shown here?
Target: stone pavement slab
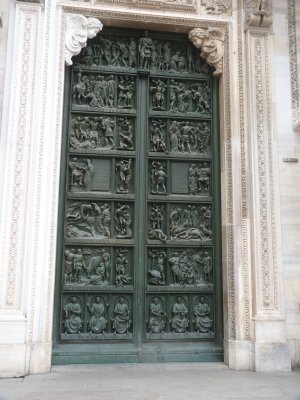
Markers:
(180, 381)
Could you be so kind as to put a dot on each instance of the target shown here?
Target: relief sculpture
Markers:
(123, 221)
(156, 271)
(88, 220)
(158, 177)
(190, 97)
(81, 171)
(191, 222)
(199, 179)
(72, 315)
(203, 322)
(126, 141)
(94, 90)
(188, 267)
(121, 319)
(157, 316)
(97, 322)
(179, 322)
(84, 267)
(157, 136)
(189, 137)
(92, 133)
(122, 277)
(156, 222)
(124, 169)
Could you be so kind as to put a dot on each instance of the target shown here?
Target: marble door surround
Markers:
(43, 36)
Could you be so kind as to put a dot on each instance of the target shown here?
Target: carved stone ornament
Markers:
(259, 13)
(78, 30)
(211, 43)
(216, 7)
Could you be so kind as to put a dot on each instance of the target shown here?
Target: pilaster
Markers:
(270, 344)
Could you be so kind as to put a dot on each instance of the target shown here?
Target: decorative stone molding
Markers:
(216, 7)
(186, 5)
(211, 43)
(294, 57)
(259, 13)
(78, 30)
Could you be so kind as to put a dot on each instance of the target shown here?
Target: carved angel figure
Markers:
(210, 42)
(78, 30)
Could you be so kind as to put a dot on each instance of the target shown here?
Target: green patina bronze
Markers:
(138, 265)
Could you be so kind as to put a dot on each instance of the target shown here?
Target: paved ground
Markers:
(209, 381)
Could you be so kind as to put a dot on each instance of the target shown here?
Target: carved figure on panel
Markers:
(207, 267)
(126, 91)
(107, 126)
(72, 314)
(157, 139)
(202, 137)
(78, 265)
(158, 89)
(186, 137)
(98, 269)
(69, 266)
(211, 43)
(81, 172)
(191, 222)
(78, 30)
(79, 88)
(158, 177)
(156, 273)
(121, 320)
(199, 179)
(124, 168)
(94, 90)
(216, 6)
(156, 220)
(189, 267)
(122, 277)
(157, 316)
(179, 322)
(88, 219)
(145, 50)
(97, 322)
(174, 136)
(201, 97)
(203, 323)
(125, 134)
(123, 221)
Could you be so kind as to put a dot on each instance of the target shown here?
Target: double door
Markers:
(139, 270)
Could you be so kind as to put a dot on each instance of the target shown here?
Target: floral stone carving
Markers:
(211, 43)
(78, 30)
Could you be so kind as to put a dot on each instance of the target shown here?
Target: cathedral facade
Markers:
(149, 204)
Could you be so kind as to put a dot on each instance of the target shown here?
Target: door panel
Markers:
(139, 269)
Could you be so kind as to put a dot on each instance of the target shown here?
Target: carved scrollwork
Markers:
(211, 43)
(259, 13)
(78, 30)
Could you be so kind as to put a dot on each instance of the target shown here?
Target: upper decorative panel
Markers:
(209, 7)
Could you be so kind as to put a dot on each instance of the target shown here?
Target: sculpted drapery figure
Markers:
(72, 312)
(203, 322)
(97, 322)
(211, 43)
(121, 321)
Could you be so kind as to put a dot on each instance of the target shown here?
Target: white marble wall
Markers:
(289, 175)
(4, 12)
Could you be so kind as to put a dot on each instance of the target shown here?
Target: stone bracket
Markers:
(78, 30)
(211, 43)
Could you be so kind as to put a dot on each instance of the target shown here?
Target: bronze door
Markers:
(139, 269)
